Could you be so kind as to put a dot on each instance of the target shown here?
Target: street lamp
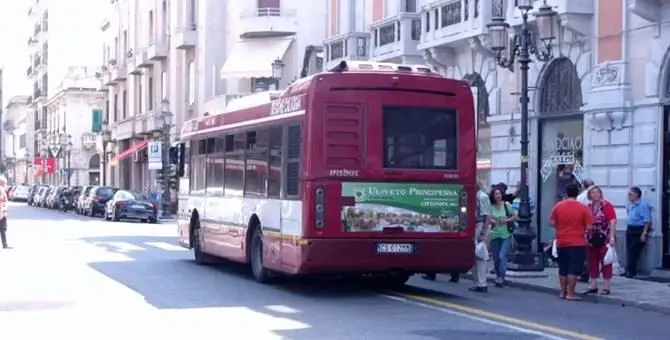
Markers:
(28, 164)
(165, 120)
(68, 154)
(524, 45)
(106, 135)
(277, 71)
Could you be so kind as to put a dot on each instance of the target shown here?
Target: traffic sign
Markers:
(155, 156)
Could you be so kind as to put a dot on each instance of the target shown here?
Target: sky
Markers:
(14, 47)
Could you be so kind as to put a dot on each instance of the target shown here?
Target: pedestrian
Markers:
(639, 224)
(3, 212)
(502, 217)
(599, 237)
(571, 219)
(516, 203)
(507, 197)
(483, 221)
(583, 198)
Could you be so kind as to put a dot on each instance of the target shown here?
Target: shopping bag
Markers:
(610, 256)
(554, 250)
(481, 251)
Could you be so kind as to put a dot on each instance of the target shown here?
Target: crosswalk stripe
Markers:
(121, 246)
(165, 246)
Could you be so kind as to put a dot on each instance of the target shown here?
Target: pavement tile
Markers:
(645, 295)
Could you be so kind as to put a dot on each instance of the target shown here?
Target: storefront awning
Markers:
(252, 58)
(131, 150)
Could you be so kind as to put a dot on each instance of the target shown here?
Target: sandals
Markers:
(591, 291)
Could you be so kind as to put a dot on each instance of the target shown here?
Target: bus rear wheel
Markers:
(258, 270)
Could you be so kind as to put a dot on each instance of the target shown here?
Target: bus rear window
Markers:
(420, 138)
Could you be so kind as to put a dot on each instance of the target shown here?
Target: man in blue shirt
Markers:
(639, 223)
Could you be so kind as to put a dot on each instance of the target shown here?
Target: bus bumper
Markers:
(335, 256)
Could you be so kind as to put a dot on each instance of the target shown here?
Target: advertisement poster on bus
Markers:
(413, 207)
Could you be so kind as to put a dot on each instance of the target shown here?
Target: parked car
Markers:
(81, 199)
(33, 192)
(132, 206)
(20, 193)
(52, 200)
(97, 200)
(43, 196)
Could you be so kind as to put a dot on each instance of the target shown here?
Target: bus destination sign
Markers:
(286, 105)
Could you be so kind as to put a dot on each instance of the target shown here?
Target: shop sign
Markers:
(562, 158)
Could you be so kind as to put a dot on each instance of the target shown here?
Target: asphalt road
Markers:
(69, 275)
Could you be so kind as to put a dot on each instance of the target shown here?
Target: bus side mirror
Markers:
(181, 159)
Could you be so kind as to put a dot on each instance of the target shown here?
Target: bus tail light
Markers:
(463, 211)
(319, 207)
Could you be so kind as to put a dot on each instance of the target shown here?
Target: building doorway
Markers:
(665, 194)
(560, 139)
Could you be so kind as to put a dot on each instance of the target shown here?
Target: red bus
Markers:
(368, 169)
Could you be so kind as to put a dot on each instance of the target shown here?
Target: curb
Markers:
(614, 301)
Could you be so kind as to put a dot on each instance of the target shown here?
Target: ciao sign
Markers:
(564, 144)
(286, 105)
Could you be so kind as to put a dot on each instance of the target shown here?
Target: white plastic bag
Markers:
(554, 250)
(481, 251)
(610, 256)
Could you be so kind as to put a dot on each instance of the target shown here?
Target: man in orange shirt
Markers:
(571, 219)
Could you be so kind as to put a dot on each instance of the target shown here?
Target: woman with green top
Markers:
(502, 214)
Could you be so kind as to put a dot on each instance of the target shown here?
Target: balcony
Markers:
(576, 16)
(118, 72)
(147, 123)
(268, 22)
(142, 60)
(649, 10)
(107, 79)
(123, 129)
(454, 23)
(39, 96)
(185, 38)
(349, 46)
(157, 49)
(396, 39)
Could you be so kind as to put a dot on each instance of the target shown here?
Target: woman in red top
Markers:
(599, 236)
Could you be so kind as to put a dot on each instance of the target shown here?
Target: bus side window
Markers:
(275, 165)
(293, 156)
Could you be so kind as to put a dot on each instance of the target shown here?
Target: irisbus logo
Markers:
(344, 173)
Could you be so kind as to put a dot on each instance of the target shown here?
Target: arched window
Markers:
(560, 88)
(94, 162)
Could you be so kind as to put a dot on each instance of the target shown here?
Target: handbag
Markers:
(597, 239)
(510, 225)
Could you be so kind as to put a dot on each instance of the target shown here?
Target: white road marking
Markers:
(165, 246)
(121, 246)
(477, 318)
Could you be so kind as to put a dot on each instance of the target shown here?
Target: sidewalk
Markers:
(645, 295)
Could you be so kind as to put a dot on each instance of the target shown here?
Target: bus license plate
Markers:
(395, 248)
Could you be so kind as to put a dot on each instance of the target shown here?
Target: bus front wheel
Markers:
(201, 257)
(258, 270)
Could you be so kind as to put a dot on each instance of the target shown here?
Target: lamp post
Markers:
(68, 155)
(44, 153)
(525, 43)
(106, 135)
(166, 123)
(28, 164)
(277, 72)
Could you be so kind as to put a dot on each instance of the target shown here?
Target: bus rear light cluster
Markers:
(463, 213)
(319, 207)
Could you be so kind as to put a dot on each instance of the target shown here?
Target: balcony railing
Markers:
(444, 22)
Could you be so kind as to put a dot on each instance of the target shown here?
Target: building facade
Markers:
(18, 140)
(51, 40)
(70, 138)
(194, 56)
(598, 108)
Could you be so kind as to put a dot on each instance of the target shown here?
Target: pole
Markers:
(104, 163)
(166, 213)
(69, 168)
(524, 258)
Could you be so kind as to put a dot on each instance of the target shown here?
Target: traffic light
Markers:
(174, 178)
(160, 176)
